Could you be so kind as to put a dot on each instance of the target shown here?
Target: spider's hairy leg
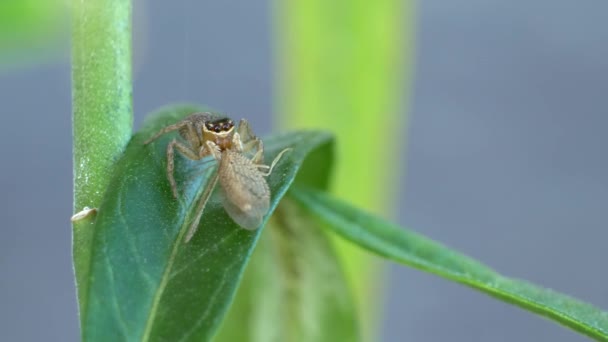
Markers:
(244, 130)
(170, 128)
(258, 146)
(237, 143)
(191, 134)
(186, 151)
(214, 150)
(255, 148)
(274, 162)
(200, 207)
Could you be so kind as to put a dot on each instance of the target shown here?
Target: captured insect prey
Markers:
(241, 168)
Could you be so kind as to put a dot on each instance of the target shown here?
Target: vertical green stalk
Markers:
(342, 65)
(102, 116)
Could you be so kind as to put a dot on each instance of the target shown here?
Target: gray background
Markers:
(506, 159)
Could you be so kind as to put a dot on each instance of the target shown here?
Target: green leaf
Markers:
(293, 274)
(409, 248)
(144, 283)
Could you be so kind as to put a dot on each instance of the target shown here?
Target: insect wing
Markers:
(250, 219)
(245, 193)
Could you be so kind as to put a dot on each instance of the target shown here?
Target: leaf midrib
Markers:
(169, 266)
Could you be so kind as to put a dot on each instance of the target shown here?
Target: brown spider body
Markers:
(246, 195)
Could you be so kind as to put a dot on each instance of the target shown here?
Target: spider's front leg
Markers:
(245, 133)
(190, 128)
(209, 148)
(171, 128)
(212, 149)
(248, 143)
(186, 151)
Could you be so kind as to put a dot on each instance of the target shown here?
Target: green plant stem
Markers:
(102, 116)
(101, 93)
(343, 66)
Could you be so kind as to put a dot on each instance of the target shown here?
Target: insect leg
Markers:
(256, 144)
(274, 162)
(185, 150)
(198, 213)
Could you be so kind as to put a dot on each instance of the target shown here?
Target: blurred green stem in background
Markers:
(102, 115)
(345, 65)
(30, 29)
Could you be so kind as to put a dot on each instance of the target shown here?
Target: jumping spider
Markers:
(240, 154)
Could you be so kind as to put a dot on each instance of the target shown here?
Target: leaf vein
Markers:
(123, 325)
(227, 238)
(212, 300)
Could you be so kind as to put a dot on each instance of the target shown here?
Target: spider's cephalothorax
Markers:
(219, 125)
(193, 129)
(220, 132)
(240, 156)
